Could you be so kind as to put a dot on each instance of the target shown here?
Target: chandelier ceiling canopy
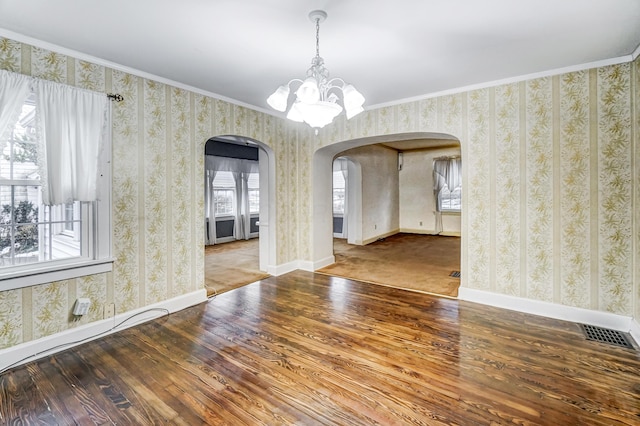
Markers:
(317, 95)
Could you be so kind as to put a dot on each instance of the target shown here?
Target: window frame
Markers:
(233, 203)
(341, 189)
(448, 195)
(232, 189)
(254, 192)
(98, 239)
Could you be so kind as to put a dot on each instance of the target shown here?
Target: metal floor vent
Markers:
(605, 335)
(455, 274)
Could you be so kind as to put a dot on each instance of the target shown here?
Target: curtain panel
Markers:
(70, 126)
(14, 90)
(342, 165)
(240, 169)
(447, 171)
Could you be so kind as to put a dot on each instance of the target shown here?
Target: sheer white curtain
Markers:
(14, 90)
(240, 170)
(209, 206)
(341, 164)
(242, 222)
(446, 172)
(71, 128)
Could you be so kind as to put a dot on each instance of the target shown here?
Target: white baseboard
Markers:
(553, 310)
(418, 231)
(378, 237)
(319, 264)
(430, 232)
(34, 349)
(283, 268)
(635, 330)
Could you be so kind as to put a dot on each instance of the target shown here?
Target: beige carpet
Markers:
(414, 262)
(232, 265)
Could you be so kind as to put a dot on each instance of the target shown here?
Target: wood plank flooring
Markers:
(309, 349)
(410, 261)
(231, 265)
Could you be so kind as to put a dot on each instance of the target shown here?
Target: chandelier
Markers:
(317, 95)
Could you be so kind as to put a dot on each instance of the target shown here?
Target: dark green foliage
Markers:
(25, 215)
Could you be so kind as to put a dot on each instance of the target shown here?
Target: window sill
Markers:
(47, 274)
(451, 212)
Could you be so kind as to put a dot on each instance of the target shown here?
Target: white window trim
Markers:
(102, 261)
(233, 202)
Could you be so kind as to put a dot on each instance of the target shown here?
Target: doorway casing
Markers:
(322, 223)
(266, 223)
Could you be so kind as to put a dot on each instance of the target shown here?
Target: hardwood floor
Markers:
(231, 265)
(410, 261)
(310, 349)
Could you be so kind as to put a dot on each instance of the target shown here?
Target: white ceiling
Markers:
(243, 49)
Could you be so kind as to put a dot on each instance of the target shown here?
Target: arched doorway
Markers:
(383, 156)
(266, 171)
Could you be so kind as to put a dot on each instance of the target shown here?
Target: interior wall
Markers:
(559, 149)
(417, 202)
(379, 192)
(636, 204)
(159, 132)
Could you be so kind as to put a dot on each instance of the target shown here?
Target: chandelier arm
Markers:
(342, 83)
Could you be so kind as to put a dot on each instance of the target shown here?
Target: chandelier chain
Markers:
(317, 36)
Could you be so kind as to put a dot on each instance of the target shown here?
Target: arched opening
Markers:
(247, 164)
(390, 194)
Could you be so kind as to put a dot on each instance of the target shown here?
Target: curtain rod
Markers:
(448, 157)
(115, 97)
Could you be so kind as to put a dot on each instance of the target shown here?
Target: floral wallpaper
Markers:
(549, 172)
(508, 175)
(636, 183)
(158, 137)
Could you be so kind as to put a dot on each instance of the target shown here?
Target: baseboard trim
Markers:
(378, 237)
(283, 268)
(35, 349)
(319, 264)
(430, 232)
(418, 231)
(635, 330)
(552, 310)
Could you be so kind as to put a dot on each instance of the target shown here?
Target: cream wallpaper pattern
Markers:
(575, 187)
(508, 176)
(547, 167)
(636, 174)
(549, 173)
(158, 137)
(636, 182)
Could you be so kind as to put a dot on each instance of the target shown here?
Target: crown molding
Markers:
(635, 53)
(510, 80)
(118, 67)
(93, 59)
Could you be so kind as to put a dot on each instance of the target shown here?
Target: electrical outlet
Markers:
(81, 306)
(109, 310)
(420, 223)
(375, 226)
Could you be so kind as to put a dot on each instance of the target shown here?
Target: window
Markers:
(338, 192)
(39, 243)
(450, 200)
(254, 193)
(224, 194)
(447, 184)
